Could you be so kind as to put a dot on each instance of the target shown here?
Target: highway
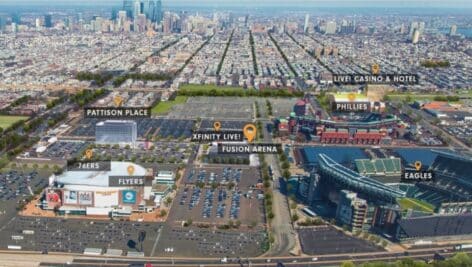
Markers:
(24, 258)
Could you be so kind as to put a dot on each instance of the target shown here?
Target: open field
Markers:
(164, 107)
(214, 90)
(6, 121)
(411, 203)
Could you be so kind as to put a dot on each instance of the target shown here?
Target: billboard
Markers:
(70, 197)
(53, 196)
(128, 196)
(85, 198)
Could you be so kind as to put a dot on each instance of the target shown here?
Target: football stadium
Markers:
(452, 183)
(400, 210)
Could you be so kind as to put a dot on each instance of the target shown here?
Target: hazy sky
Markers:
(326, 3)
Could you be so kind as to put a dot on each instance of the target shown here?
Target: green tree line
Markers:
(100, 78)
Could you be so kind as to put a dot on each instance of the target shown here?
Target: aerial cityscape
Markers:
(235, 133)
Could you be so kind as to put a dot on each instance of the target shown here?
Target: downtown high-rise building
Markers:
(330, 27)
(306, 24)
(128, 7)
(151, 8)
(48, 21)
(453, 30)
(3, 23)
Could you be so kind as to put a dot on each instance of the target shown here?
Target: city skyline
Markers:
(297, 3)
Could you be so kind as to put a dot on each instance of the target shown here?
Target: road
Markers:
(21, 258)
(281, 225)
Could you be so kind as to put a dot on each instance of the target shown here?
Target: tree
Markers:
(168, 201)
(348, 264)
(285, 165)
(266, 184)
(295, 217)
(286, 174)
(163, 213)
(384, 243)
(188, 222)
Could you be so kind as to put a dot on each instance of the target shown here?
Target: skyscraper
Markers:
(16, 18)
(413, 26)
(453, 30)
(307, 21)
(136, 9)
(48, 21)
(415, 38)
(153, 10)
(3, 23)
(330, 27)
(128, 7)
(114, 13)
(121, 19)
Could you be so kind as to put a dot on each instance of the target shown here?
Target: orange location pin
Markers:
(375, 69)
(89, 154)
(217, 126)
(130, 170)
(118, 100)
(250, 132)
(418, 165)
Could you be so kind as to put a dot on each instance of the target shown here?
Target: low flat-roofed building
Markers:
(165, 177)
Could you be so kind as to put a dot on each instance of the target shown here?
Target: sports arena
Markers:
(116, 192)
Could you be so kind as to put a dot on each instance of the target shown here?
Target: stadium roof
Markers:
(99, 178)
(357, 182)
(454, 155)
(439, 225)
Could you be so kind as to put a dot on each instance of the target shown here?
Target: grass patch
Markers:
(6, 121)
(415, 204)
(164, 107)
(214, 90)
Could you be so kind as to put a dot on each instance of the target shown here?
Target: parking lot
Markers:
(72, 235)
(220, 108)
(195, 242)
(59, 150)
(16, 185)
(225, 125)
(218, 194)
(328, 240)
(147, 128)
(281, 107)
(149, 152)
